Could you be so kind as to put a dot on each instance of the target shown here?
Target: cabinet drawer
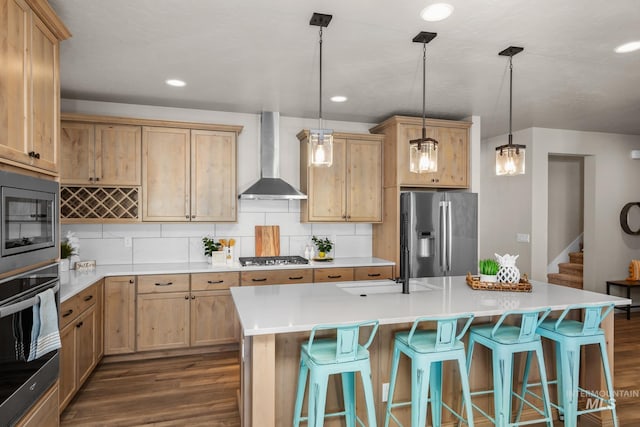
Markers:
(214, 281)
(374, 273)
(68, 311)
(333, 274)
(276, 277)
(87, 298)
(163, 283)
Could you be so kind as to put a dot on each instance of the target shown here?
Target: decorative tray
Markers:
(325, 259)
(523, 286)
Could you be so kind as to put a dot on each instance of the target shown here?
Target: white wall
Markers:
(611, 180)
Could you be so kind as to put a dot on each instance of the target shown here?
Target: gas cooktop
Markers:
(272, 260)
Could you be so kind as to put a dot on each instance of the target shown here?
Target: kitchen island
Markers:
(276, 319)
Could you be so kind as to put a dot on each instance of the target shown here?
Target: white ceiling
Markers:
(252, 55)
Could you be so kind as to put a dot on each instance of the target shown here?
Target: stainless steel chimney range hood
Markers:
(270, 186)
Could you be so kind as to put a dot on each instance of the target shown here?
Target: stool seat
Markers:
(506, 334)
(324, 352)
(571, 328)
(424, 341)
(427, 350)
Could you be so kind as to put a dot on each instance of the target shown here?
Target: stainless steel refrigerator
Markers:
(438, 233)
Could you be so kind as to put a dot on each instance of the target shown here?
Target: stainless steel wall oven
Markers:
(23, 382)
(28, 221)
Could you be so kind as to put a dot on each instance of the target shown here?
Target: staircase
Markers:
(570, 273)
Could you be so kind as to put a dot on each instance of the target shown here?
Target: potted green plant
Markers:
(324, 246)
(212, 250)
(488, 270)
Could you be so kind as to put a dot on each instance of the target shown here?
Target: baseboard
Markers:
(159, 354)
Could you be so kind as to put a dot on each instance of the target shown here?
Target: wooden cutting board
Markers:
(267, 240)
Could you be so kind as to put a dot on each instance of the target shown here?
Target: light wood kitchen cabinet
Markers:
(29, 123)
(119, 315)
(80, 350)
(189, 175)
(162, 310)
(373, 273)
(276, 277)
(350, 190)
(45, 411)
(213, 318)
(334, 274)
(100, 154)
(453, 152)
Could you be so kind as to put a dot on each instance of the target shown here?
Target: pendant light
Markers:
(510, 157)
(423, 152)
(321, 139)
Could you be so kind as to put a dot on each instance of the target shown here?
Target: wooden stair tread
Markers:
(571, 268)
(576, 257)
(565, 280)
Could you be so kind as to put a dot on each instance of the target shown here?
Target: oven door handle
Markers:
(19, 306)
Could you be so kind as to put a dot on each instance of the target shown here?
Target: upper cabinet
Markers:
(29, 49)
(453, 152)
(100, 154)
(350, 190)
(189, 175)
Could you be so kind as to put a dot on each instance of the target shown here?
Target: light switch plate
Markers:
(522, 237)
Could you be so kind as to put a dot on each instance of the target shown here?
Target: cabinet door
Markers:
(85, 344)
(213, 176)
(45, 412)
(77, 153)
(213, 318)
(333, 274)
(14, 31)
(276, 277)
(163, 321)
(118, 155)
(453, 159)
(364, 181)
(407, 133)
(45, 101)
(326, 187)
(119, 315)
(165, 174)
(68, 360)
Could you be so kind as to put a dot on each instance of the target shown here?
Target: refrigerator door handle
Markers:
(443, 236)
(449, 236)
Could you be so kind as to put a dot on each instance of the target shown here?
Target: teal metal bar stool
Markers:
(427, 349)
(505, 341)
(343, 355)
(569, 336)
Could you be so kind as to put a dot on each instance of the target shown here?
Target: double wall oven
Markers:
(29, 237)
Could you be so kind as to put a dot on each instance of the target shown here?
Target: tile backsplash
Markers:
(166, 242)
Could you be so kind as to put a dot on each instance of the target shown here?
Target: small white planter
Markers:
(64, 264)
(217, 258)
(488, 278)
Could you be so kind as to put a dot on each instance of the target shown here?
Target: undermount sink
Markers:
(390, 288)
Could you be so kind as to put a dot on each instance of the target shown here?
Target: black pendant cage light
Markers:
(510, 158)
(320, 139)
(423, 152)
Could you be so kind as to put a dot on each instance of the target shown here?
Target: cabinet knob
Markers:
(97, 178)
(131, 281)
(186, 216)
(79, 324)
(193, 297)
(193, 217)
(90, 179)
(186, 297)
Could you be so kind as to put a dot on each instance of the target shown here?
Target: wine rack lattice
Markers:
(100, 203)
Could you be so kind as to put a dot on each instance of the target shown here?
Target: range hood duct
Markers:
(270, 186)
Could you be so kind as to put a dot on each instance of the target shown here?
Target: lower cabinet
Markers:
(373, 273)
(339, 274)
(276, 277)
(45, 412)
(213, 315)
(119, 315)
(80, 352)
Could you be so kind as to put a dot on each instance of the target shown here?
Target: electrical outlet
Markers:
(522, 237)
(128, 242)
(385, 392)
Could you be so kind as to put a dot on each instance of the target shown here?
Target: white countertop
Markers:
(291, 308)
(72, 282)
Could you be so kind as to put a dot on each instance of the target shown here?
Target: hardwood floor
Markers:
(201, 390)
(189, 390)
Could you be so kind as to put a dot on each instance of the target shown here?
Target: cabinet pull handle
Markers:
(90, 179)
(264, 279)
(88, 298)
(164, 284)
(295, 278)
(79, 324)
(186, 216)
(131, 281)
(335, 277)
(97, 178)
(186, 297)
(213, 282)
(68, 313)
(193, 297)
(373, 274)
(193, 217)
(34, 155)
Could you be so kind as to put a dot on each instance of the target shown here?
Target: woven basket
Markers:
(522, 286)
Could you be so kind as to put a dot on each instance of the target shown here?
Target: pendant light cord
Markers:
(510, 97)
(424, 90)
(320, 96)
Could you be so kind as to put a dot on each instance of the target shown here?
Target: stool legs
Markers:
(419, 393)
(303, 373)
(466, 389)
(367, 385)
(607, 377)
(317, 398)
(392, 383)
(348, 393)
(502, 379)
(436, 393)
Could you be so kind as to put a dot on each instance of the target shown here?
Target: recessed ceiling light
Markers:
(628, 47)
(436, 12)
(175, 82)
(338, 98)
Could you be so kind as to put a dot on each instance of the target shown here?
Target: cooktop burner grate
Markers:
(272, 260)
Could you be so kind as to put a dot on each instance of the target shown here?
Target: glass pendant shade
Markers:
(423, 157)
(510, 159)
(321, 148)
